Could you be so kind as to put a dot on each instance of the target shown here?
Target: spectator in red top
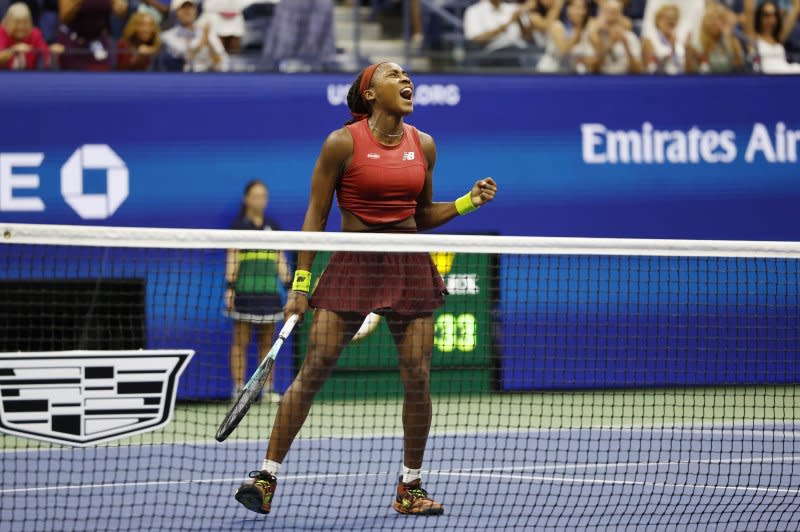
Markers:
(21, 44)
(140, 43)
(84, 32)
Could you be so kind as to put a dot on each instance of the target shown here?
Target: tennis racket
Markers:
(254, 384)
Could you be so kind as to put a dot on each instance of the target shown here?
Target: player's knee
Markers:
(416, 378)
(316, 369)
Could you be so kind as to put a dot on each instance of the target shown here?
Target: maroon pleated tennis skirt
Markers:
(407, 284)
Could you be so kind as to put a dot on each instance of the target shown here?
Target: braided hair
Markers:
(359, 108)
(355, 102)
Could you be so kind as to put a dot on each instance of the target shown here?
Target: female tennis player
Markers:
(382, 172)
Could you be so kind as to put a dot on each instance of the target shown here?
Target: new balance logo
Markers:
(408, 155)
(373, 156)
(83, 398)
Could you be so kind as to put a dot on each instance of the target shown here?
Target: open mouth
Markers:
(407, 93)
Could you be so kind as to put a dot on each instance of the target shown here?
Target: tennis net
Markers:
(592, 383)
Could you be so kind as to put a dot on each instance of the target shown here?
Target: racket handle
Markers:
(286, 330)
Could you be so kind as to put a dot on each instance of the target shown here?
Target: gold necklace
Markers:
(391, 135)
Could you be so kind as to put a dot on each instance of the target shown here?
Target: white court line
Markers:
(492, 472)
(581, 480)
(452, 473)
(740, 428)
(624, 465)
(312, 476)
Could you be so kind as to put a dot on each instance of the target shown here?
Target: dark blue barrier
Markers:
(608, 157)
(599, 322)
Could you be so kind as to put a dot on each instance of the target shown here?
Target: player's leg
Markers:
(330, 332)
(265, 335)
(414, 340)
(241, 337)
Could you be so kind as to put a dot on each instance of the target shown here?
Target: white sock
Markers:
(410, 475)
(271, 467)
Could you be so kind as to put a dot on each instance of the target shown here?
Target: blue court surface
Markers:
(737, 477)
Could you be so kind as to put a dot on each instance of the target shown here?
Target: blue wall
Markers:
(191, 142)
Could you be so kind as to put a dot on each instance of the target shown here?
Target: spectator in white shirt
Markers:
(616, 49)
(196, 45)
(566, 45)
(501, 30)
(662, 54)
(227, 21)
(769, 30)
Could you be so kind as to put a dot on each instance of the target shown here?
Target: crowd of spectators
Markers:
(635, 36)
(548, 36)
(171, 35)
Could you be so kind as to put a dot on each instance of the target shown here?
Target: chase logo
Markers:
(17, 186)
(83, 398)
(94, 157)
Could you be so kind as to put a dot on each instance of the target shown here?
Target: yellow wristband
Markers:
(464, 204)
(302, 281)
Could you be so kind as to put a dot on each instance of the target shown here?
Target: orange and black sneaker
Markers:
(256, 495)
(411, 499)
